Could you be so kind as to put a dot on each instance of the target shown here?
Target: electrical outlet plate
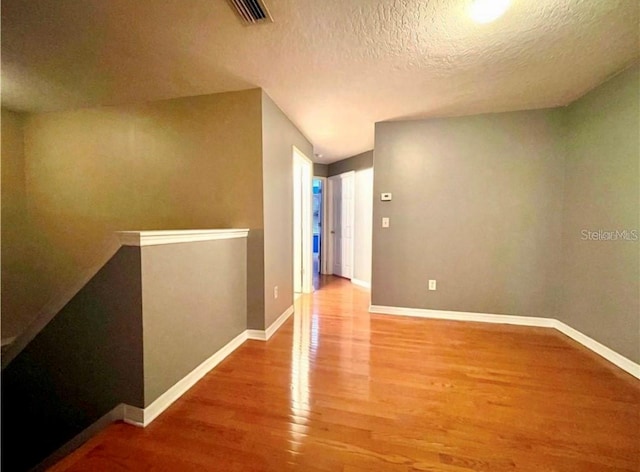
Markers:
(432, 285)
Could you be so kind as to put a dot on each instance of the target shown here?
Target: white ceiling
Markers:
(334, 66)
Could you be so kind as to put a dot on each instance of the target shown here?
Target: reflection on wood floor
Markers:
(337, 389)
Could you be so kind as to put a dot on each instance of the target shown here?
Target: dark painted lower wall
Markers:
(85, 362)
(147, 319)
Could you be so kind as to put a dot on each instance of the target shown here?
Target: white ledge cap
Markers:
(152, 238)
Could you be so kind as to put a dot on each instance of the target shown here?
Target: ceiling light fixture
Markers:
(486, 11)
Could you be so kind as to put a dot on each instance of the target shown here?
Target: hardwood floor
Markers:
(338, 389)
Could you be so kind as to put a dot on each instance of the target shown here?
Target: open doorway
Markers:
(302, 223)
(318, 211)
(319, 238)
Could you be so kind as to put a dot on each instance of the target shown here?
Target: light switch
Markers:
(385, 197)
(385, 222)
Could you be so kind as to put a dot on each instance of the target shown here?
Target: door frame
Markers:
(300, 160)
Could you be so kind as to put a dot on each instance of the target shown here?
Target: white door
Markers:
(341, 191)
(347, 216)
(335, 194)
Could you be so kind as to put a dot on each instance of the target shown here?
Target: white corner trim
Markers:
(264, 335)
(270, 331)
(153, 238)
(463, 316)
(143, 417)
(609, 354)
(133, 415)
(361, 283)
(256, 334)
(600, 349)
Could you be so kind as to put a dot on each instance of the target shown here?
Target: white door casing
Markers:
(297, 225)
(302, 223)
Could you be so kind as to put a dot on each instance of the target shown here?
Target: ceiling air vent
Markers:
(252, 11)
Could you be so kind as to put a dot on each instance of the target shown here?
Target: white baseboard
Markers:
(361, 283)
(264, 335)
(142, 417)
(463, 316)
(257, 334)
(617, 359)
(609, 354)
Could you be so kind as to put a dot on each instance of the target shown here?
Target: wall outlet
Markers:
(432, 285)
(275, 292)
(385, 222)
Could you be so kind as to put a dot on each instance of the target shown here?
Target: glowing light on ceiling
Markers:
(486, 11)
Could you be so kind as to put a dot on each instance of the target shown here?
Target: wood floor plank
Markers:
(338, 389)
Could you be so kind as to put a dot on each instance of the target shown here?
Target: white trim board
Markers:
(264, 335)
(154, 238)
(361, 283)
(609, 354)
(462, 316)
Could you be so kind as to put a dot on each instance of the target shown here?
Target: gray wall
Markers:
(18, 302)
(494, 206)
(358, 162)
(320, 170)
(279, 136)
(194, 303)
(194, 162)
(476, 205)
(601, 278)
(186, 163)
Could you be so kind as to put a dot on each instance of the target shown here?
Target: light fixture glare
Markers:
(486, 11)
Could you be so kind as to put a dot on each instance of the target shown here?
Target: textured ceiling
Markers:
(334, 66)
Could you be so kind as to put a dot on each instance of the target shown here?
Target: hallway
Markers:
(338, 389)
